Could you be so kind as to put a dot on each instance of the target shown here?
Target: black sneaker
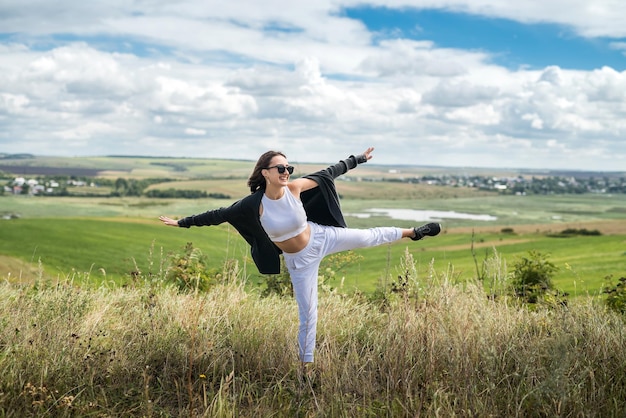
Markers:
(428, 230)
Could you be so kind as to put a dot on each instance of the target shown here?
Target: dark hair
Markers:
(256, 180)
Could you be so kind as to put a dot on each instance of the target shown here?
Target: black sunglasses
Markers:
(281, 168)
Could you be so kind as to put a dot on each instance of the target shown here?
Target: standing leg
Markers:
(303, 269)
(305, 290)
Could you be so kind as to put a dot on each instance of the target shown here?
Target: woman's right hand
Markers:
(168, 221)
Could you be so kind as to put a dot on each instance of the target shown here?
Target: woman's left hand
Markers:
(368, 153)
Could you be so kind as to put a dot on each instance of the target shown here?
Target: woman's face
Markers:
(273, 174)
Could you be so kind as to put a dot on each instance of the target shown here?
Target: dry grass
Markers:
(26, 272)
(448, 350)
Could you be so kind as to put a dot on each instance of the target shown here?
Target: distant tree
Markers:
(121, 185)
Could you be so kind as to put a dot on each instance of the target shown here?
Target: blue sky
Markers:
(511, 44)
(533, 84)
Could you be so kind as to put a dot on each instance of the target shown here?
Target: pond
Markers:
(421, 215)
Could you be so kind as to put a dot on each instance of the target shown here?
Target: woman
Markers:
(302, 220)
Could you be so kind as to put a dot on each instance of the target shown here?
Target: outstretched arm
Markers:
(303, 184)
(349, 163)
(210, 217)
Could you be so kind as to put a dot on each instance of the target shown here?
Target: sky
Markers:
(465, 83)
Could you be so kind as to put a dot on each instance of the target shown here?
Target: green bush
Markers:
(582, 231)
(188, 270)
(616, 294)
(531, 277)
(278, 284)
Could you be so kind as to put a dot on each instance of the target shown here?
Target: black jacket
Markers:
(321, 205)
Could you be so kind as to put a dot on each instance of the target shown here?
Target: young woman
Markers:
(302, 220)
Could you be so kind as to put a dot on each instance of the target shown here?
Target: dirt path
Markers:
(468, 246)
(611, 227)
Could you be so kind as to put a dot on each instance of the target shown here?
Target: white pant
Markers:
(303, 268)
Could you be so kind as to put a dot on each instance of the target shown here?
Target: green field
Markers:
(105, 239)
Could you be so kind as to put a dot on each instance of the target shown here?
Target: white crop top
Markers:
(283, 218)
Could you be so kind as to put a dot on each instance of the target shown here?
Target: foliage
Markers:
(616, 294)
(406, 283)
(406, 286)
(183, 194)
(278, 284)
(532, 276)
(124, 187)
(333, 264)
(188, 270)
(176, 194)
(574, 232)
(581, 231)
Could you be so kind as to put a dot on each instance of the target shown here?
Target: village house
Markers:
(17, 186)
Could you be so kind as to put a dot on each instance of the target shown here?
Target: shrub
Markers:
(333, 264)
(532, 277)
(406, 283)
(583, 231)
(572, 232)
(616, 294)
(188, 270)
(278, 284)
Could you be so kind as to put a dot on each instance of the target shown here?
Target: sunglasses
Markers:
(281, 168)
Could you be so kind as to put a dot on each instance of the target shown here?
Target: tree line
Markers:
(526, 185)
(520, 185)
(120, 187)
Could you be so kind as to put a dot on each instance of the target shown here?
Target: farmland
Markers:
(106, 238)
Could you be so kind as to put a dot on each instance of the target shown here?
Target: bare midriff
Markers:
(297, 243)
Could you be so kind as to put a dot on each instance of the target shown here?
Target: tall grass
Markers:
(443, 350)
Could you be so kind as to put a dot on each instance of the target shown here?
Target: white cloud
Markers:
(459, 94)
(196, 132)
(168, 79)
(411, 58)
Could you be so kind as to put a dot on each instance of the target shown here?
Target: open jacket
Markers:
(321, 205)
